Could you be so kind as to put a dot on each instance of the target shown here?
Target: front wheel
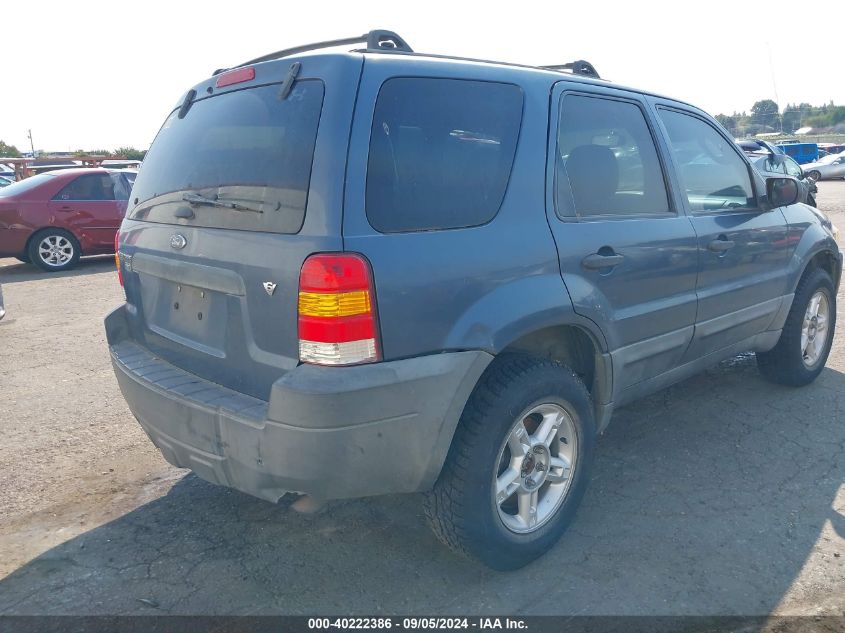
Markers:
(804, 345)
(814, 175)
(518, 465)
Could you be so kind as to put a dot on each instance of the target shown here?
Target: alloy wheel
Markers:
(55, 250)
(535, 467)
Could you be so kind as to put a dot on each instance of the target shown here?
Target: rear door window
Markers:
(606, 163)
(441, 153)
(248, 147)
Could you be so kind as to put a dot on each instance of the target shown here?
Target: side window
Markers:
(712, 172)
(121, 187)
(441, 152)
(606, 162)
(88, 187)
(772, 165)
(793, 168)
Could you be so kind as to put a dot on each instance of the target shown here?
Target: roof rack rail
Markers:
(578, 67)
(377, 40)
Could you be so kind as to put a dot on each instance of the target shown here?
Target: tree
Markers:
(728, 122)
(830, 116)
(9, 151)
(765, 112)
(130, 153)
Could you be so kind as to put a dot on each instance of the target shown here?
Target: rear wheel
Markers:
(814, 175)
(804, 345)
(518, 465)
(24, 258)
(54, 250)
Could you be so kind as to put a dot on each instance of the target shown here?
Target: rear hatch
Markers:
(231, 199)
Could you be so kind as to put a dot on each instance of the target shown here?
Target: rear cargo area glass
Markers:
(441, 152)
(250, 147)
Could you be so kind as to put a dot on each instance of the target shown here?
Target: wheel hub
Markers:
(535, 467)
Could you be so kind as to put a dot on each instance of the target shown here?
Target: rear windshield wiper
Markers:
(195, 198)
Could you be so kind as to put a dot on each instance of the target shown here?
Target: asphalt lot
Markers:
(721, 495)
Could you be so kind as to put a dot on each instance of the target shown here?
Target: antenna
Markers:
(775, 86)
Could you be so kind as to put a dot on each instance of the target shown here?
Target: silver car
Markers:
(832, 166)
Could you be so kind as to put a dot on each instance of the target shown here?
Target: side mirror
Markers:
(781, 192)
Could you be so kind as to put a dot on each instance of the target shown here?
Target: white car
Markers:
(832, 166)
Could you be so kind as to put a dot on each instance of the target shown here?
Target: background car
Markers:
(770, 160)
(5, 182)
(54, 218)
(832, 166)
(129, 174)
(802, 152)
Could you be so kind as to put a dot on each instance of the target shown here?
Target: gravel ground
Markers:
(721, 495)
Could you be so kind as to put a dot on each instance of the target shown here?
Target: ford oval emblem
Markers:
(178, 241)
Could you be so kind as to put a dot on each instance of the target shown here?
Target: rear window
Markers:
(247, 147)
(27, 184)
(441, 152)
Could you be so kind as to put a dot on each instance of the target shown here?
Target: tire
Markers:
(814, 175)
(811, 200)
(54, 250)
(790, 362)
(463, 508)
(24, 259)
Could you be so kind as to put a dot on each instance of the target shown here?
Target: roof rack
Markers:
(377, 40)
(578, 67)
(383, 41)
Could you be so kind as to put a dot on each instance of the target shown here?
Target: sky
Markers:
(100, 75)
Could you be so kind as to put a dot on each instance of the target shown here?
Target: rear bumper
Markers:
(328, 432)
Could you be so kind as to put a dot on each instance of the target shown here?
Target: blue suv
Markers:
(371, 271)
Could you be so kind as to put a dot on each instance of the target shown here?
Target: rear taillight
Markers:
(337, 311)
(117, 257)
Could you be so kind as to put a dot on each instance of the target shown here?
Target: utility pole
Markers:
(31, 144)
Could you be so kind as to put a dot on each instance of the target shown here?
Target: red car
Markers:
(54, 218)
